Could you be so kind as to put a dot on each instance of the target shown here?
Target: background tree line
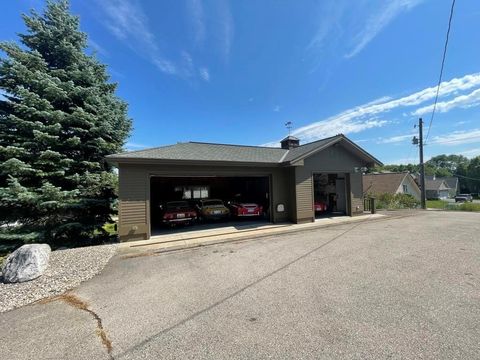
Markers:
(467, 170)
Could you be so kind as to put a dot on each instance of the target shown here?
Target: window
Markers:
(196, 192)
(405, 188)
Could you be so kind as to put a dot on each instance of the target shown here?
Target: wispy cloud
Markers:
(402, 161)
(470, 152)
(367, 116)
(97, 47)
(128, 22)
(197, 20)
(135, 146)
(330, 15)
(349, 26)
(387, 11)
(458, 138)
(396, 139)
(277, 108)
(204, 74)
(463, 101)
(187, 64)
(211, 21)
(226, 28)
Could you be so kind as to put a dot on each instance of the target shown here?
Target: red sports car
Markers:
(175, 212)
(319, 206)
(242, 209)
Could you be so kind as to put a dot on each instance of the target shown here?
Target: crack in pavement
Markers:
(74, 301)
(235, 293)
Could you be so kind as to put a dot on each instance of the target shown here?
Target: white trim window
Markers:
(196, 192)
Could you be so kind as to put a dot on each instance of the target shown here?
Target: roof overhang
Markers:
(143, 161)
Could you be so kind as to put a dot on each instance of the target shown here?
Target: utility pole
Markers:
(422, 165)
(419, 142)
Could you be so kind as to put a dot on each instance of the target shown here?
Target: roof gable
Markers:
(383, 182)
(436, 185)
(304, 151)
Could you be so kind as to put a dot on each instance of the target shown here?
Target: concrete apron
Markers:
(191, 239)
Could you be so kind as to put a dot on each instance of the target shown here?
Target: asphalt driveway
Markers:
(405, 287)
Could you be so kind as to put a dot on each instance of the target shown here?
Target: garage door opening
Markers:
(179, 204)
(330, 194)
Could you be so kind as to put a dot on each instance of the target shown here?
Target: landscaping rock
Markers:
(26, 263)
(66, 270)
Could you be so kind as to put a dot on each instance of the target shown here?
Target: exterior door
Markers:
(340, 189)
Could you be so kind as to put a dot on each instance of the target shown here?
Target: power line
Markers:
(466, 177)
(441, 70)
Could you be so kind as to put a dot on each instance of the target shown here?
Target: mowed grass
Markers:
(445, 205)
(468, 207)
(437, 204)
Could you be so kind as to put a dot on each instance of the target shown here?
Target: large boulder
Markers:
(26, 263)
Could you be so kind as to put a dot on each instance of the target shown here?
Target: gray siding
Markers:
(304, 192)
(335, 159)
(356, 193)
(133, 203)
(134, 192)
(290, 186)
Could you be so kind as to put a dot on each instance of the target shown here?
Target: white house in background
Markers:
(391, 183)
(450, 181)
(436, 189)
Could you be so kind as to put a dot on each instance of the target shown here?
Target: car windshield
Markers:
(177, 205)
(212, 202)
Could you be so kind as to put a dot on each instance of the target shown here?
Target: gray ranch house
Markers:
(450, 181)
(436, 189)
(287, 180)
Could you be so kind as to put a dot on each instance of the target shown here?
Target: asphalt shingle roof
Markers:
(302, 150)
(437, 184)
(208, 152)
(197, 151)
(451, 181)
(383, 183)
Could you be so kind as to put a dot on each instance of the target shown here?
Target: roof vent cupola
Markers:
(290, 142)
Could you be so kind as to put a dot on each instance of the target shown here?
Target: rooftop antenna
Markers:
(289, 125)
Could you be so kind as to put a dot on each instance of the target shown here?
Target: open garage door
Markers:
(188, 203)
(330, 194)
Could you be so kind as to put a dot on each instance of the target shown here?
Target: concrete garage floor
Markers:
(406, 287)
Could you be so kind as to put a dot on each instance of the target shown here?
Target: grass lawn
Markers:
(445, 205)
(468, 207)
(437, 204)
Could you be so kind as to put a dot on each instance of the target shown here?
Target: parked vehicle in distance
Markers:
(212, 209)
(177, 212)
(463, 198)
(319, 206)
(245, 209)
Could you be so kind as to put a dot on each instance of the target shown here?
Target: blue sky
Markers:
(236, 71)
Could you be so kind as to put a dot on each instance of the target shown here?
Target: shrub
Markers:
(396, 201)
(465, 207)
